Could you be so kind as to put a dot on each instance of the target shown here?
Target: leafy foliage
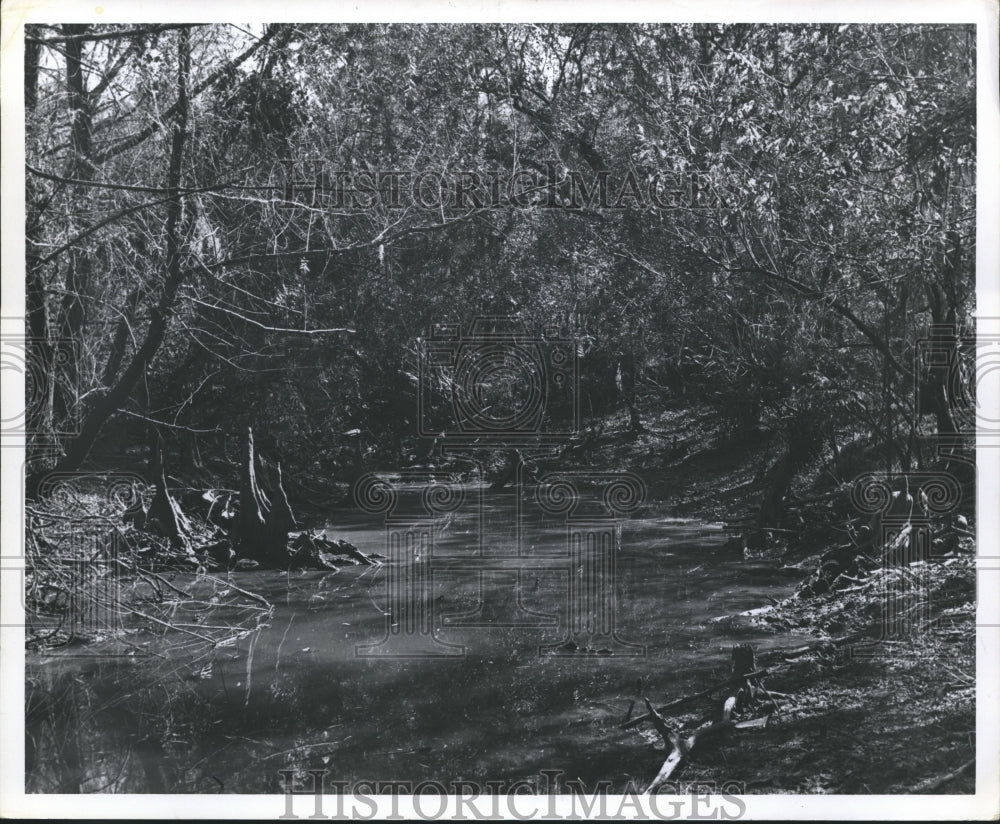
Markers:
(843, 156)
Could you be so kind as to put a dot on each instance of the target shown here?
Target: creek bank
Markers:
(885, 702)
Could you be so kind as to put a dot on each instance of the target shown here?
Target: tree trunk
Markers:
(109, 403)
(72, 312)
(777, 482)
(119, 344)
(626, 387)
(38, 348)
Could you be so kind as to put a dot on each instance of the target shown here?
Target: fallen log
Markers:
(679, 747)
(934, 784)
(744, 686)
(315, 549)
(682, 745)
(817, 646)
(752, 723)
(705, 693)
(773, 655)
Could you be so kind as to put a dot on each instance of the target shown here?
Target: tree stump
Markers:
(746, 683)
(511, 472)
(265, 519)
(165, 514)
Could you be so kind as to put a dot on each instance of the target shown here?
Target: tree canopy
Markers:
(812, 216)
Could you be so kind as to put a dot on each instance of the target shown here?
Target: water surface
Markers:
(504, 697)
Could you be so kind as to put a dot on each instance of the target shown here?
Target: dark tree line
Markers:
(171, 288)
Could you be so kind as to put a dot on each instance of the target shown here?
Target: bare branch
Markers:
(280, 329)
(110, 35)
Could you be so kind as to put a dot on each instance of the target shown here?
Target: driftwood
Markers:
(745, 687)
(634, 722)
(775, 655)
(934, 784)
(682, 745)
(745, 696)
(316, 550)
(820, 646)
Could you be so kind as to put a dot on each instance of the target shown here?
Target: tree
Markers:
(821, 180)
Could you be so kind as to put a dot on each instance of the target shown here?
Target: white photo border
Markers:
(985, 804)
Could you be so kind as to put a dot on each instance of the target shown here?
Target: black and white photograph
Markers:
(470, 415)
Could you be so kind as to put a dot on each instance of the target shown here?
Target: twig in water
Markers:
(252, 595)
(283, 637)
(172, 626)
(253, 644)
(308, 747)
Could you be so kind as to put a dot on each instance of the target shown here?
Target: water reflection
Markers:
(296, 695)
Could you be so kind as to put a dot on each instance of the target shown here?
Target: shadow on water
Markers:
(296, 694)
